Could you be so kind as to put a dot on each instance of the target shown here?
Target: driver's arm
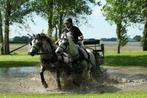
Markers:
(80, 35)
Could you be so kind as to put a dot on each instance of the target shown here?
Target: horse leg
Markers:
(58, 79)
(42, 77)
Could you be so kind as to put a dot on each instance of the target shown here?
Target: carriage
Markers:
(97, 48)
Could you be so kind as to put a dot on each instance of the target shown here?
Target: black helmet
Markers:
(68, 20)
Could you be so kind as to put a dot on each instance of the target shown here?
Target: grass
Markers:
(129, 57)
(132, 94)
(126, 58)
(18, 59)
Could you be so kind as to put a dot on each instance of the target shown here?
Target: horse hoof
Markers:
(45, 84)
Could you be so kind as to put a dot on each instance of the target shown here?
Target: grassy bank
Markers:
(126, 58)
(105, 95)
(18, 60)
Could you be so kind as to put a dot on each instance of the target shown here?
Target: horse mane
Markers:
(43, 36)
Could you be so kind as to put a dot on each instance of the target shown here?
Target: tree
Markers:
(138, 14)
(137, 38)
(15, 11)
(22, 39)
(1, 28)
(45, 9)
(1, 33)
(116, 12)
(55, 11)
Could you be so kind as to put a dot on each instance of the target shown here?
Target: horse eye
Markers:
(39, 43)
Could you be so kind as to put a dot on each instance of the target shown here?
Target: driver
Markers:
(75, 31)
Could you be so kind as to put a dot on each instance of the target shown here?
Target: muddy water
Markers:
(27, 80)
(128, 73)
(24, 80)
(128, 78)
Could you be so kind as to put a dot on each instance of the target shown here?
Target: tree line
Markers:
(54, 11)
(20, 39)
(26, 39)
(136, 38)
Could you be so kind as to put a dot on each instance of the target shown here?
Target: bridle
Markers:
(40, 45)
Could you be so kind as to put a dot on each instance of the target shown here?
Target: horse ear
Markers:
(40, 36)
(30, 36)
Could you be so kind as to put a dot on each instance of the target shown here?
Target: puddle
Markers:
(17, 71)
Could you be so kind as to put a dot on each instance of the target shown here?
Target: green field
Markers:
(18, 59)
(100, 95)
(126, 58)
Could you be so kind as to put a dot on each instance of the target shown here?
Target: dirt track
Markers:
(121, 79)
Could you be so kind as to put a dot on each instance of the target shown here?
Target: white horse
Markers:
(81, 57)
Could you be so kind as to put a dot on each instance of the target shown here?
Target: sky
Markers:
(97, 27)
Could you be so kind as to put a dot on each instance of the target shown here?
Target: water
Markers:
(17, 71)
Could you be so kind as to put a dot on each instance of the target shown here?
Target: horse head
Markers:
(66, 44)
(62, 44)
(40, 42)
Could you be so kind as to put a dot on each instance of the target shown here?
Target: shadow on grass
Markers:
(125, 60)
(17, 63)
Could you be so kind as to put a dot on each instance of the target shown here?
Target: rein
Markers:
(18, 48)
(39, 53)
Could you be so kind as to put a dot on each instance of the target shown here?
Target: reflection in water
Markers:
(17, 71)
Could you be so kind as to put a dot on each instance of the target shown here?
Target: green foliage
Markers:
(137, 38)
(61, 9)
(18, 39)
(137, 11)
(68, 8)
(19, 9)
(115, 11)
(138, 14)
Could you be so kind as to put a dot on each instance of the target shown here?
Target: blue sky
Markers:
(97, 27)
